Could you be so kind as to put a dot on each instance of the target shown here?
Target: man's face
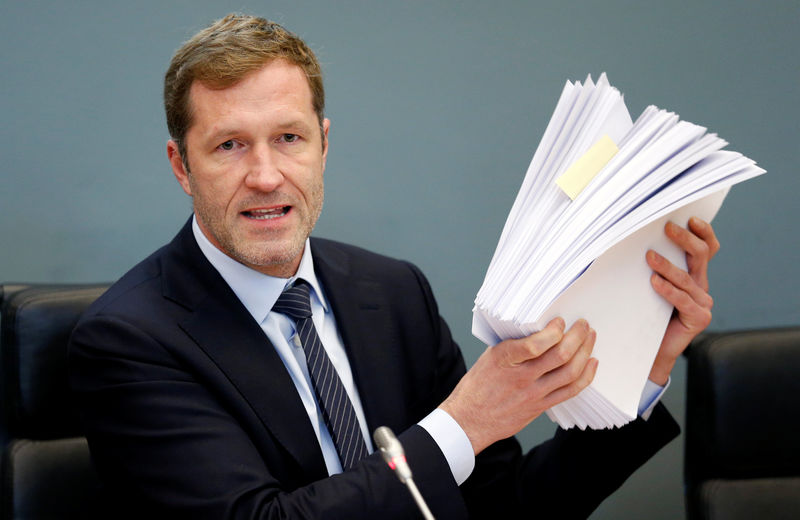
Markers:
(256, 156)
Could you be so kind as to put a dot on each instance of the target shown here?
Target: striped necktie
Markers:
(337, 410)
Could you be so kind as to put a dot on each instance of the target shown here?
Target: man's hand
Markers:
(516, 380)
(686, 290)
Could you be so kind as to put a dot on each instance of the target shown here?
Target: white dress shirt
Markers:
(258, 292)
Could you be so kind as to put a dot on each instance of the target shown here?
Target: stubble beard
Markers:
(267, 251)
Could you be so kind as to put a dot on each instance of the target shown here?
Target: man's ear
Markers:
(326, 126)
(178, 166)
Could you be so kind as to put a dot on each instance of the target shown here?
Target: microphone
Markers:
(392, 452)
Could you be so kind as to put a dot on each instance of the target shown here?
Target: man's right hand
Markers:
(518, 379)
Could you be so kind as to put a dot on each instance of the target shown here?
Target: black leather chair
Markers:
(45, 465)
(742, 440)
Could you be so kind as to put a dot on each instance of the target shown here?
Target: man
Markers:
(202, 392)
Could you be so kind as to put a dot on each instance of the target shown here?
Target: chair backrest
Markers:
(45, 465)
(742, 449)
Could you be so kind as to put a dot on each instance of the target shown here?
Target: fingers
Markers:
(700, 244)
(575, 347)
(562, 393)
(681, 290)
(517, 351)
(564, 370)
(675, 284)
(704, 230)
(687, 291)
(553, 359)
(569, 363)
(698, 252)
(694, 309)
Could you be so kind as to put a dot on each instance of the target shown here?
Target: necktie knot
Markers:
(294, 301)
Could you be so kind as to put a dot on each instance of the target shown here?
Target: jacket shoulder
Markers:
(369, 264)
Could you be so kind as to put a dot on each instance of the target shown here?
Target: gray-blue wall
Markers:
(437, 108)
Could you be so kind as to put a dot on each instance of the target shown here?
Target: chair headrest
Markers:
(37, 321)
(743, 405)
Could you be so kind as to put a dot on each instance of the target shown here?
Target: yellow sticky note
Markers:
(587, 166)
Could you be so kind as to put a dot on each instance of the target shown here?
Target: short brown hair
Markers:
(224, 53)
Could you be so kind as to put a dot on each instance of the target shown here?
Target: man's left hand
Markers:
(686, 290)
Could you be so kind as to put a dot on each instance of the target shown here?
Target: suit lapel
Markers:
(362, 309)
(227, 333)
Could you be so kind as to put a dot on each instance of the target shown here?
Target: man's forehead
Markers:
(277, 85)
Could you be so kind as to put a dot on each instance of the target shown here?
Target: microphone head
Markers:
(392, 452)
(387, 443)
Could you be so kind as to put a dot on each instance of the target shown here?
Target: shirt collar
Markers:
(258, 292)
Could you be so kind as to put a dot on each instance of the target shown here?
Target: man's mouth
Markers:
(266, 214)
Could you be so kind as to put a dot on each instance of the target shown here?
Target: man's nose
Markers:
(263, 169)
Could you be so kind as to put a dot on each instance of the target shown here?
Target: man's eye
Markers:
(290, 138)
(227, 145)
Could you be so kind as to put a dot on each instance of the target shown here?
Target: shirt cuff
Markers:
(453, 442)
(651, 395)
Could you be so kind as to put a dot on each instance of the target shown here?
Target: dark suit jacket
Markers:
(190, 412)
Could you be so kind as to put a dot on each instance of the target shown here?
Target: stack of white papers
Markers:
(596, 197)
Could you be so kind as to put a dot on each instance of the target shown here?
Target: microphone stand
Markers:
(395, 457)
